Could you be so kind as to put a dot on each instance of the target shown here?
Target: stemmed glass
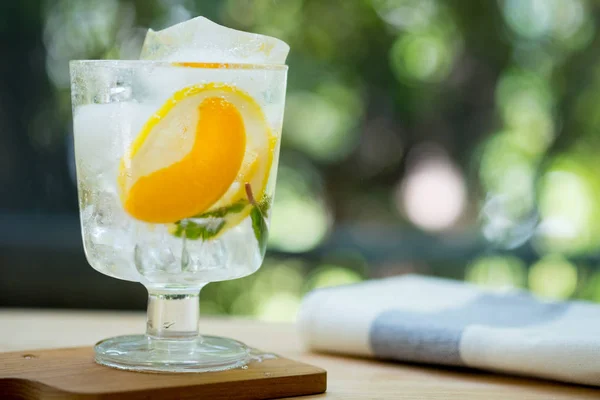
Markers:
(176, 166)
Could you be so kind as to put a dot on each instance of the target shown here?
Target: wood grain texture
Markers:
(347, 378)
(73, 374)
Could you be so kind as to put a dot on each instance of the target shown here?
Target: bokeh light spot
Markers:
(407, 14)
(279, 307)
(565, 21)
(553, 277)
(433, 194)
(301, 218)
(76, 30)
(526, 104)
(421, 58)
(323, 123)
(569, 208)
(498, 272)
(332, 275)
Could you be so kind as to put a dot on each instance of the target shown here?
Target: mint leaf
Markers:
(236, 207)
(259, 222)
(194, 231)
(261, 231)
(205, 231)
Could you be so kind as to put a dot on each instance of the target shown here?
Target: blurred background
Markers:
(449, 138)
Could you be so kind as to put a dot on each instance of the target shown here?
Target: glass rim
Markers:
(180, 64)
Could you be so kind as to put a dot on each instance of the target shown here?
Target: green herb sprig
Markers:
(205, 231)
(189, 229)
(259, 218)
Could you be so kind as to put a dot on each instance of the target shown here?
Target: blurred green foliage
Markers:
(503, 94)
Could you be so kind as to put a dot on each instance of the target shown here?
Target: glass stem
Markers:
(173, 316)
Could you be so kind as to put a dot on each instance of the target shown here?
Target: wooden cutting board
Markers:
(73, 374)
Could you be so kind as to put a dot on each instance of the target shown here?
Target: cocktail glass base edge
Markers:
(146, 354)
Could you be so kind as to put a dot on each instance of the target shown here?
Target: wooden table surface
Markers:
(348, 378)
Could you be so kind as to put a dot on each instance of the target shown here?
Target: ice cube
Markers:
(155, 259)
(206, 256)
(102, 134)
(201, 40)
(108, 236)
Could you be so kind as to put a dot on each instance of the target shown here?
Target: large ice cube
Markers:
(201, 40)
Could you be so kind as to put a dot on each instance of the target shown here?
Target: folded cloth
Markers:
(438, 321)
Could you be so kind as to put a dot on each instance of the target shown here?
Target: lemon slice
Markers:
(192, 153)
(253, 176)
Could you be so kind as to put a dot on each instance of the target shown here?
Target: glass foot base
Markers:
(143, 353)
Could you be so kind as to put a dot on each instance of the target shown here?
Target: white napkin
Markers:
(429, 320)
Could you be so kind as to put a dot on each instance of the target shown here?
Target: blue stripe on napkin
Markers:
(434, 337)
